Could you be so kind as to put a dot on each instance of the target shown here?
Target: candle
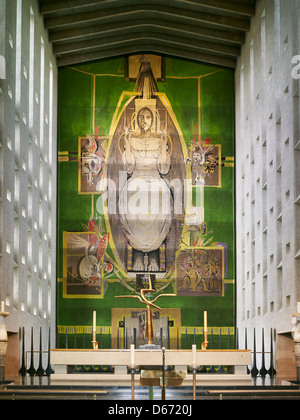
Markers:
(205, 321)
(132, 355)
(2, 306)
(194, 355)
(94, 321)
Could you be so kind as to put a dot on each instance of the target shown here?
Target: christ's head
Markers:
(145, 119)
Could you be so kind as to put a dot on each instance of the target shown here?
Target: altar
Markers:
(125, 361)
(151, 364)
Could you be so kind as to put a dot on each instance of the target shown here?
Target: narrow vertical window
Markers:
(49, 224)
(252, 72)
(242, 97)
(15, 287)
(41, 174)
(41, 214)
(263, 43)
(40, 296)
(16, 238)
(49, 300)
(49, 265)
(30, 157)
(29, 249)
(17, 186)
(40, 261)
(279, 288)
(50, 113)
(42, 96)
(18, 51)
(29, 291)
(17, 136)
(29, 205)
(31, 68)
(8, 194)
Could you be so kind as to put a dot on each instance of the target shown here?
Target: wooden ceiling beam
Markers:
(150, 34)
(151, 12)
(54, 6)
(246, 8)
(48, 7)
(210, 31)
(142, 48)
(84, 32)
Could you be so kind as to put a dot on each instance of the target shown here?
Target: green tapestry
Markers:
(146, 188)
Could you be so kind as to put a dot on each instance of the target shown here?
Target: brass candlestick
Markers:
(94, 342)
(205, 341)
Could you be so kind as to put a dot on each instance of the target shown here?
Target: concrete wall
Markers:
(28, 106)
(267, 174)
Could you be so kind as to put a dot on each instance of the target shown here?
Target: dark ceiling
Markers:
(209, 31)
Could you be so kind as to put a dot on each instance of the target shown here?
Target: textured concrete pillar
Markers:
(28, 153)
(267, 172)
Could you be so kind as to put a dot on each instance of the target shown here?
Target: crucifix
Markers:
(149, 329)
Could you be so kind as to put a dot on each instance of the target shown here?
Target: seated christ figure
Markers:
(145, 202)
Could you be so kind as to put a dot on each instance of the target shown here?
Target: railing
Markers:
(184, 340)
